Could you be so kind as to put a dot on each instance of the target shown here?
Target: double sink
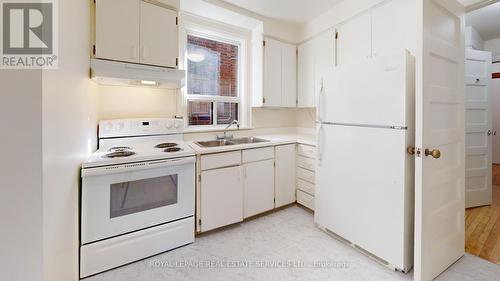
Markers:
(226, 142)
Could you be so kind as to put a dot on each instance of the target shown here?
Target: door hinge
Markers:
(263, 100)
(199, 178)
(176, 20)
(176, 61)
(93, 49)
(199, 222)
(336, 35)
(274, 163)
(264, 43)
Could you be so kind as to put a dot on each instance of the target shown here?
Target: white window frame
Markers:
(213, 30)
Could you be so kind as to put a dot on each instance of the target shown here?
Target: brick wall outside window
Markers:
(215, 75)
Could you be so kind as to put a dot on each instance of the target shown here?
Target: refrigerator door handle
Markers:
(321, 92)
(319, 148)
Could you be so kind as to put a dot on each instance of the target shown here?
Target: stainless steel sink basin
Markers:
(218, 143)
(248, 140)
(214, 143)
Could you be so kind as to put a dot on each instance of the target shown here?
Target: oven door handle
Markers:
(129, 167)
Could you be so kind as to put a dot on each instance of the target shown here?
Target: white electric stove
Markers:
(138, 193)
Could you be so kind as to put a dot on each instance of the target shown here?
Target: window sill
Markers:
(214, 129)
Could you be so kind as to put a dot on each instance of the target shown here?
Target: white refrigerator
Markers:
(365, 177)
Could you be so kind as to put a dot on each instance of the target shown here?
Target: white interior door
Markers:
(495, 110)
(440, 129)
(478, 128)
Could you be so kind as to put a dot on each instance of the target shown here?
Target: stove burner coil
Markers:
(166, 145)
(119, 148)
(172, 149)
(119, 154)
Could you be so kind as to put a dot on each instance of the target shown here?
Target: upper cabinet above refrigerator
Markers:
(314, 56)
(135, 31)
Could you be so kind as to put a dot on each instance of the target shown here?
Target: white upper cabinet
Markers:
(354, 41)
(289, 75)
(314, 56)
(280, 74)
(394, 16)
(136, 31)
(117, 30)
(305, 95)
(159, 36)
(272, 73)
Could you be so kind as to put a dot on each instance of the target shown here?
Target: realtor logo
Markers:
(29, 33)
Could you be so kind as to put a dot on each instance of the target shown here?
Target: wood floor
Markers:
(482, 226)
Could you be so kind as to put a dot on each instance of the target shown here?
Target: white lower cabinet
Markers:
(258, 185)
(221, 198)
(306, 176)
(240, 184)
(284, 182)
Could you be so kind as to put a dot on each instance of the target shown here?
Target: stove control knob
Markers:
(108, 126)
(120, 126)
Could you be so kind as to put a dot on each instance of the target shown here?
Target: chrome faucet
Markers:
(226, 136)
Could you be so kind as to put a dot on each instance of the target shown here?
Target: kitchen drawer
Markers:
(306, 175)
(305, 186)
(305, 199)
(306, 150)
(258, 154)
(220, 160)
(306, 163)
(124, 249)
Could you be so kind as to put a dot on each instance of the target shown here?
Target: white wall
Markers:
(131, 102)
(69, 136)
(21, 173)
(473, 39)
(494, 47)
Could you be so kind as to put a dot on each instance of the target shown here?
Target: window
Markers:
(213, 81)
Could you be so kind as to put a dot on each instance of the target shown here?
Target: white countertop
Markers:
(273, 140)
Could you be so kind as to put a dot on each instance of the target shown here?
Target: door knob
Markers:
(411, 150)
(489, 132)
(435, 153)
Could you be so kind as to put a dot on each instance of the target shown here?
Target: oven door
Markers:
(124, 198)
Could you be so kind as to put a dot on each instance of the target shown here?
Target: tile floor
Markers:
(254, 250)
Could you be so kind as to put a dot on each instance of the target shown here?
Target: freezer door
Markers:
(363, 192)
(375, 91)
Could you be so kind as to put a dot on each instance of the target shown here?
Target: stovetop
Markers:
(127, 141)
(122, 151)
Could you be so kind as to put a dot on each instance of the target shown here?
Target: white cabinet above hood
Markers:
(129, 74)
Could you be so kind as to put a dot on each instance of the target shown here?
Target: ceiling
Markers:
(486, 21)
(294, 11)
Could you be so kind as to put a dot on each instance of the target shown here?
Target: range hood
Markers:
(129, 74)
